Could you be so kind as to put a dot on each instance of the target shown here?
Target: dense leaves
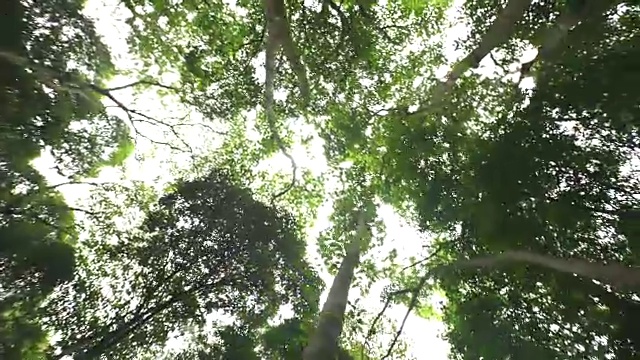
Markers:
(482, 164)
(206, 247)
(556, 176)
(43, 42)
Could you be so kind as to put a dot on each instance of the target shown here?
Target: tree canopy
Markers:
(506, 132)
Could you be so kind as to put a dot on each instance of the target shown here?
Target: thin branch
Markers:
(414, 293)
(293, 179)
(141, 82)
(387, 303)
(63, 81)
(206, 126)
(344, 23)
(412, 304)
(145, 118)
(498, 64)
(73, 182)
(88, 212)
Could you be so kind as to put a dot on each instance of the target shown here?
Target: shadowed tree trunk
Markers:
(552, 37)
(323, 344)
(498, 33)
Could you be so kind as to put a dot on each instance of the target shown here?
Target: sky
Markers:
(422, 335)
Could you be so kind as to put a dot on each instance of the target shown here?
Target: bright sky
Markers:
(421, 335)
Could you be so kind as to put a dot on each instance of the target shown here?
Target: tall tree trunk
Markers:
(323, 344)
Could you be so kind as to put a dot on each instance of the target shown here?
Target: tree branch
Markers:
(498, 33)
(278, 31)
(615, 274)
(551, 38)
(63, 81)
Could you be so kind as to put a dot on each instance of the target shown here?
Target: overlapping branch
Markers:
(67, 82)
(617, 275)
(501, 30)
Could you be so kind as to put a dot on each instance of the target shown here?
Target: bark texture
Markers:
(323, 344)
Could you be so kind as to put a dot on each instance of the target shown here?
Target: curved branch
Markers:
(270, 114)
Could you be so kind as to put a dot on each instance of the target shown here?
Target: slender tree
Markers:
(323, 344)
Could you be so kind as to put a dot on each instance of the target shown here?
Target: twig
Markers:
(145, 118)
(498, 64)
(76, 183)
(141, 82)
(206, 126)
(88, 212)
(49, 76)
(436, 251)
(387, 303)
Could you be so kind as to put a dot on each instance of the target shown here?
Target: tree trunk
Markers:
(551, 38)
(498, 33)
(323, 344)
(279, 35)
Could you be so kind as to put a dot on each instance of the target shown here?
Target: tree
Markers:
(39, 115)
(485, 166)
(205, 247)
(548, 177)
(324, 342)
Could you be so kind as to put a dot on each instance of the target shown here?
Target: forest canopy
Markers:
(225, 180)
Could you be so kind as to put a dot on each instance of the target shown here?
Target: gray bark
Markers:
(618, 275)
(323, 344)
